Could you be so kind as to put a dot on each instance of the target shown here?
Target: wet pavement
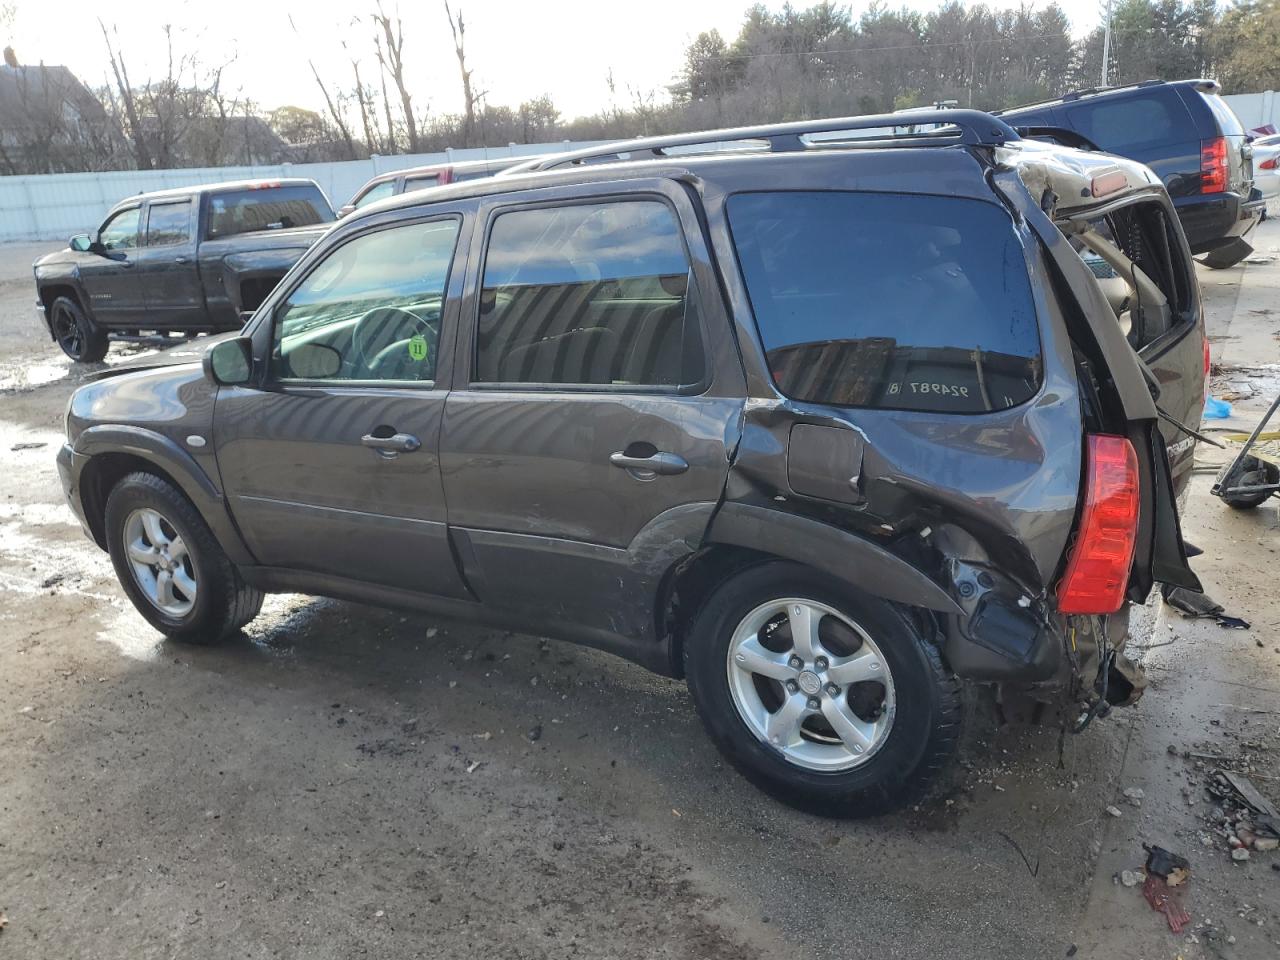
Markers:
(347, 781)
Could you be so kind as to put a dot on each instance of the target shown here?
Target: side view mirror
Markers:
(80, 243)
(313, 361)
(230, 362)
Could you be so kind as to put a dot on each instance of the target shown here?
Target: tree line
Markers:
(786, 64)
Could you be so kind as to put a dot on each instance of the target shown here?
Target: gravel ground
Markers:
(347, 781)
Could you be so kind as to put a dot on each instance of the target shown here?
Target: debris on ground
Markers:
(1167, 874)
(1114, 810)
(28, 445)
(1134, 795)
(1131, 878)
(1199, 606)
(1248, 819)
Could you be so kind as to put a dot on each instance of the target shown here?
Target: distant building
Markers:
(50, 122)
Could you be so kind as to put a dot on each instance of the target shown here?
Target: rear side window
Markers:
(1228, 123)
(1135, 123)
(588, 294)
(266, 208)
(421, 183)
(889, 300)
(168, 223)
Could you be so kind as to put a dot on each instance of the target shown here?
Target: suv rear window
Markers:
(1228, 123)
(266, 208)
(889, 300)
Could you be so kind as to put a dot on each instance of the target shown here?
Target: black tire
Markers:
(223, 601)
(925, 728)
(79, 337)
(1256, 473)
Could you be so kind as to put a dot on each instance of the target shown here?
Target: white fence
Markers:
(56, 206)
(1256, 109)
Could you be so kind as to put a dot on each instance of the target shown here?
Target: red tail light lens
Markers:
(1208, 365)
(1213, 165)
(1268, 164)
(1098, 569)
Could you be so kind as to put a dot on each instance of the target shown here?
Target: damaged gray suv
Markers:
(823, 417)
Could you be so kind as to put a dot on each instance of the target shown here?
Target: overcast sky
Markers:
(518, 48)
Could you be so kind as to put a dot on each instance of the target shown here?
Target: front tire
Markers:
(829, 699)
(170, 564)
(79, 337)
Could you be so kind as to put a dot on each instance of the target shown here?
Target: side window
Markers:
(121, 231)
(1133, 124)
(370, 310)
(168, 223)
(593, 293)
(420, 183)
(374, 194)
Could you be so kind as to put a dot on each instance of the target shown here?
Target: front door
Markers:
(166, 266)
(331, 463)
(590, 435)
(110, 276)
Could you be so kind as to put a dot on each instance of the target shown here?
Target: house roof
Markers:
(29, 91)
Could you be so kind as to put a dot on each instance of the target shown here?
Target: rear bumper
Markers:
(1216, 219)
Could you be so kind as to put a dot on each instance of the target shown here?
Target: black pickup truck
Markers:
(191, 260)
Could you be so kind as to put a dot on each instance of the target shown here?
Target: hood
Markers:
(192, 351)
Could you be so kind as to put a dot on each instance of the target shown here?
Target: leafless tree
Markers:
(391, 57)
(470, 98)
(335, 114)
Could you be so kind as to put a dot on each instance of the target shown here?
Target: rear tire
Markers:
(171, 566)
(894, 707)
(79, 337)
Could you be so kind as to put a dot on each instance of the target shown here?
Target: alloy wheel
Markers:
(160, 562)
(811, 683)
(67, 332)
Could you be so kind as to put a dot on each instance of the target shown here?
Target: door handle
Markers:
(389, 446)
(660, 463)
(181, 260)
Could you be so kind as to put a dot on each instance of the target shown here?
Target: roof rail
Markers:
(1204, 86)
(970, 127)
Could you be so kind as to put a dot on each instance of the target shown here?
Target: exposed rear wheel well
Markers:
(100, 475)
(688, 583)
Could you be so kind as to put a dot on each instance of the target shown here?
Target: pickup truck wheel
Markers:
(170, 564)
(829, 699)
(78, 336)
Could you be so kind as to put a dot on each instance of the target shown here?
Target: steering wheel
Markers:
(383, 334)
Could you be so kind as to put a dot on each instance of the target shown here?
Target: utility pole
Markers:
(1106, 46)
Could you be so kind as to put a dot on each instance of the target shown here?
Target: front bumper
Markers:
(70, 467)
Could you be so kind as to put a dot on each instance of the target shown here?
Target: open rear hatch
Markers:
(1137, 333)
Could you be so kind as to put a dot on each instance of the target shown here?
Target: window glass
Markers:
(266, 208)
(461, 176)
(588, 294)
(1228, 123)
(380, 192)
(121, 231)
(1133, 124)
(420, 183)
(888, 300)
(370, 310)
(168, 223)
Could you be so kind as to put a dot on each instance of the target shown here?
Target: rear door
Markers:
(166, 265)
(589, 432)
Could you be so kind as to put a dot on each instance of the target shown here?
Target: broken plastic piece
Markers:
(1165, 871)
(1200, 606)
(1173, 868)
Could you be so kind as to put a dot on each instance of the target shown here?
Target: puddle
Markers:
(20, 374)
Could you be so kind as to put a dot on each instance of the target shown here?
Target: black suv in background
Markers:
(1187, 134)
(822, 426)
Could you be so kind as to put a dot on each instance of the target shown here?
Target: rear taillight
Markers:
(1098, 569)
(1213, 165)
(1269, 163)
(1208, 365)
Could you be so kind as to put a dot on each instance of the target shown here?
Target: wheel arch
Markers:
(113, 452)
(51, 290)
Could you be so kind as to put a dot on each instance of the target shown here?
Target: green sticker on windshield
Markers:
(418, 347)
